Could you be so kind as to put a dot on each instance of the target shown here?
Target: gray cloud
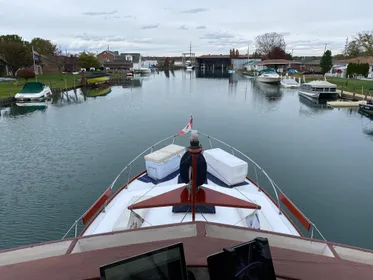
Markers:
(306, 33)
(150, 26)
(285, 33)
(201, 27)
(183, 27)
(194, 11)
(217, 35)
(100, 13)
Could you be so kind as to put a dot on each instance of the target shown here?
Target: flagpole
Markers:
(33, 58)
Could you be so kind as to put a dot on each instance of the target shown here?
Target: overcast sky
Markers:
(161, 27)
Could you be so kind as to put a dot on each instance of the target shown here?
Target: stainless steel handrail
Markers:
(275, 187)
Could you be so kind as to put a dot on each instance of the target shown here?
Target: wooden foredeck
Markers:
(84, 256)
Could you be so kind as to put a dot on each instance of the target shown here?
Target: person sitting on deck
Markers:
(186, 165)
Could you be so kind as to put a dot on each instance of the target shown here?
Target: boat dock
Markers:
(345, 103)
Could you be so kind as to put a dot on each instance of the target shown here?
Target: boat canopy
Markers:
(267, 70)
(32, 87)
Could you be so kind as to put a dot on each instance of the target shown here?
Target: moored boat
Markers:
(289, 82)
(268, 76)
(97, 78)
(145, 71)
(318, 89)
(367, 108)
(201, 198)
(33, 91)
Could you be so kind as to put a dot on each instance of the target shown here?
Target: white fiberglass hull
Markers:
(289, 85)
(269, 79)
(118, 217)
(46, 92)
(309, 94)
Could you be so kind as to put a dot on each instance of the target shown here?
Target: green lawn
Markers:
(54, 81)
(350, 85)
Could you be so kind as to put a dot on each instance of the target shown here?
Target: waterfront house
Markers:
(107, 56)
(134, 58)
(221, 62)
(339, 68)
(309, 65)
(119, 61)
(279, 64)
(54, 64)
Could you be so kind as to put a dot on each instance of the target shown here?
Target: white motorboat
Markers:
(189, 66)
(318, 89)
(289, 82)
(229, 197)
(193, 198)
(144, 70)
(33, 91)
(268, 76)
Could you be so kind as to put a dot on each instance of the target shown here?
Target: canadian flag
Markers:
(187, 128)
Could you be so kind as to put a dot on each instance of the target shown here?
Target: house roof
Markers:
(212, 56)
(118, 63)
(310, 62)
(277, 62)
(361, 59)
(135, 56)
(113, 53)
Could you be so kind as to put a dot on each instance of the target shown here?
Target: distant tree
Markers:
(266, 42)
(365, 41)
(326, 62)
(362, 45)
(277, 53)
(358, 69)
(353, 49)
(87, 60)
(16, 54)
(26, 74)
(256, 54)
(339, 56)
(43, 46)
(166, 63)
(11, 38)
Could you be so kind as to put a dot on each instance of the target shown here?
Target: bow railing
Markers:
(279, 198)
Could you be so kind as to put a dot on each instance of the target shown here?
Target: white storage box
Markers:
(163, 162)
(225, 166)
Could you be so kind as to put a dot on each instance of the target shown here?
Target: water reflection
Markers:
(367, 124)
(311, 106)
(210, 74)
(25, 108)
(135, 82)
(271, 93)
(96, 92)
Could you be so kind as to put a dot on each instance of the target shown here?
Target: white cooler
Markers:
(226, 167)
(163, 162)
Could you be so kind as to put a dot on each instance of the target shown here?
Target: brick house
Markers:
(56, 64)
(107, 56)
(116, 61)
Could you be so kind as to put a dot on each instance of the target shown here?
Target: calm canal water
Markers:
(56, 160)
